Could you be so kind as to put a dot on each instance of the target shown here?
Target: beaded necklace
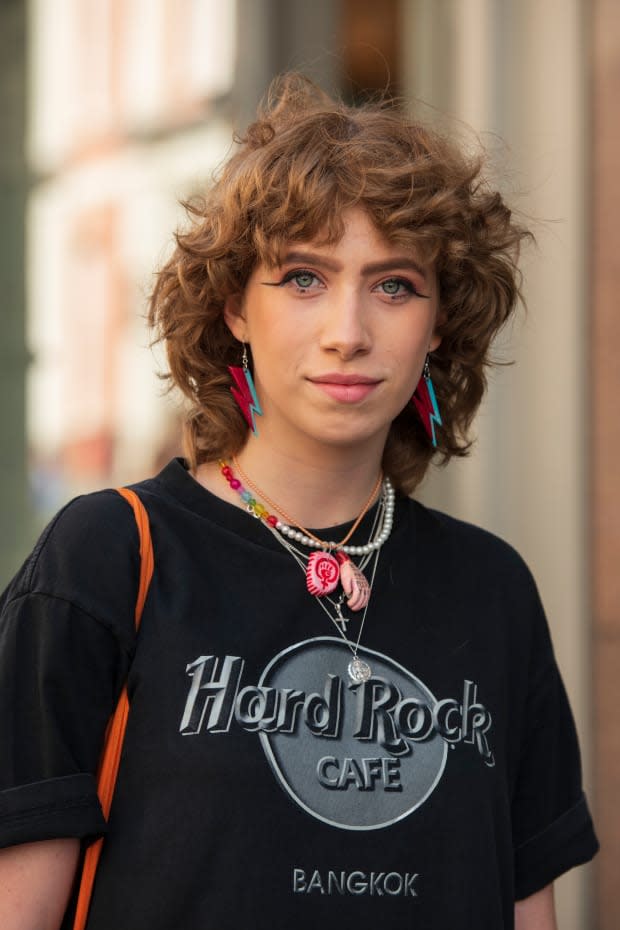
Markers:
(332, 565)
(306, 533)
(318, 566)
(304, 536)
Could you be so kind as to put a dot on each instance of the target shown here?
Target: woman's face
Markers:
(339, 335)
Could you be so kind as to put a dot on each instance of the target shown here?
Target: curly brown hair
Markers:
(299, 166)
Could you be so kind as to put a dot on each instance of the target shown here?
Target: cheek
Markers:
(280, 339)
(408, 360)
(275, 367)
(409, 351)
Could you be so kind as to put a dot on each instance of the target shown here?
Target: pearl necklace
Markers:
(332, 565)
(291, 526)
(370, 546)
(299, 534)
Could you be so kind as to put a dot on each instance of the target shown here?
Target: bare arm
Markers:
(35, 883)
(536, 912)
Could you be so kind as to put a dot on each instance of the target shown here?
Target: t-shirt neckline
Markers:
(176, 479)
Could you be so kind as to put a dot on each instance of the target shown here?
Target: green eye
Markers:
(304, 279)
(397, 287)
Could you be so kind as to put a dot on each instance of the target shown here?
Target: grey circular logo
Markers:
(356, 755)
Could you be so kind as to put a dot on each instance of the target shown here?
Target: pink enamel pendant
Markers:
(322, 573)
(354, 582)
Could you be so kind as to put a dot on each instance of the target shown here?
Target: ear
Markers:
(435, 341)
(234, 317)
(436, 335)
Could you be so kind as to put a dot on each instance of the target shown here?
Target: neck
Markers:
(314, 491)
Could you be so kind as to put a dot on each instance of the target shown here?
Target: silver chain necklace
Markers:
(358, 669)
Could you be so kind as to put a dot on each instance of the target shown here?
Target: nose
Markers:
(345, 329)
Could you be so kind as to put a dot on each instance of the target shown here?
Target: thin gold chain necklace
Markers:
(332, 565)
(324, 544)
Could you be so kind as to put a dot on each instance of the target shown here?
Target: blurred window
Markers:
(371, 37)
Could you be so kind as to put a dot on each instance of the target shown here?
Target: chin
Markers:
(345, 436)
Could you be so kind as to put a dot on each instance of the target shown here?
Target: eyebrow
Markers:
(390, 264)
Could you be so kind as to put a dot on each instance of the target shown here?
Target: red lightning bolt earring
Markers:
(244, 392)
(426, 403)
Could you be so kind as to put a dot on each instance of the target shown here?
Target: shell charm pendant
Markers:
(322, 573)
(354, 582)
(359, 670)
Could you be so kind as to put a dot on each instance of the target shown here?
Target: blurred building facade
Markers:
(130, 113)
(131, 106)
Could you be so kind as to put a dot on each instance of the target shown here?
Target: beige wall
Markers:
(605, 441)
(518, 69)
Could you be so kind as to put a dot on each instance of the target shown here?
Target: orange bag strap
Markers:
(111, 755)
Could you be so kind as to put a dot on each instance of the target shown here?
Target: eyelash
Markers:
(409, 287)
(298, 272)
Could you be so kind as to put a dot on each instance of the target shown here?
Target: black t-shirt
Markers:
(259, 786)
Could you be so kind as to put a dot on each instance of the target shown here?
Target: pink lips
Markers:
(346, 389)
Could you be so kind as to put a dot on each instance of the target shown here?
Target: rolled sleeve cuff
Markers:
(51, 809)
(568, 841)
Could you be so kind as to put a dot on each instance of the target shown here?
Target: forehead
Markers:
(357, 235)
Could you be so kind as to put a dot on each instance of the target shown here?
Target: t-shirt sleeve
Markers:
(66, 639)
(552, 827)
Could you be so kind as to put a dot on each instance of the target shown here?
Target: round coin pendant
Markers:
(359, 670)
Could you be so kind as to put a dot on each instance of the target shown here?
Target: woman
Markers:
(345, 709)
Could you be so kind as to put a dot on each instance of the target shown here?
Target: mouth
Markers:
(346, 389)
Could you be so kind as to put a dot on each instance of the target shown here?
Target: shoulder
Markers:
(471, 544)
(87, 533)
(476, 569)
(88, 557)
(479, 578)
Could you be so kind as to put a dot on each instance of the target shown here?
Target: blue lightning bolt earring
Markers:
(425, 403)
(244, 392)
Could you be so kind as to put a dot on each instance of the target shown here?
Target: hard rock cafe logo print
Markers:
(359, 756)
